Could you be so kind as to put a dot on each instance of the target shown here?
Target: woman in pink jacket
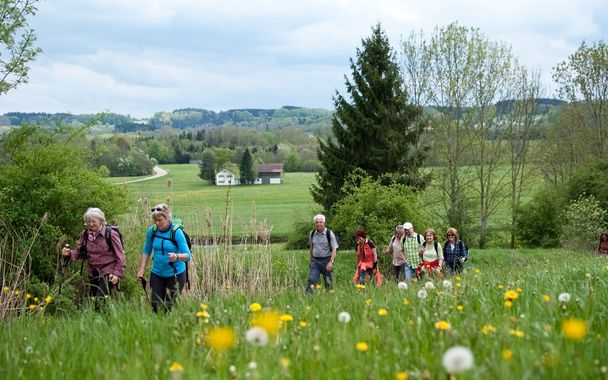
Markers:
(101, 244)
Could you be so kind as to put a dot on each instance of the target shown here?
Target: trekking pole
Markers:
(144, 283)
(66, 262)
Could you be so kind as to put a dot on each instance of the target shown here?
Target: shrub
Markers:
(582, 222)
(376, 206)
(539, 222)
(592, 180)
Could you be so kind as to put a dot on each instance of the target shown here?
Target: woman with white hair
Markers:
(101, 244)
(167, 242)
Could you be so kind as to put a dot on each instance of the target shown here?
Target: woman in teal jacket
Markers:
(167, 242)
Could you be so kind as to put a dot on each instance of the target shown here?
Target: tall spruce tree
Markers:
(246, 168)
(376, 131)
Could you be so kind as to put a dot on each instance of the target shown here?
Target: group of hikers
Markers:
(414, 255)
(101, 244)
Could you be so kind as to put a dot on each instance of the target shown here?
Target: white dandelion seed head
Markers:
(402, 285)
(232, 368)
(422, 294)
(252, 365)
(564, 297)
(29, 350)
(257, 336)
(457, 359)
(316, 348)
(344, 317)
(447, 283)
(429, 285)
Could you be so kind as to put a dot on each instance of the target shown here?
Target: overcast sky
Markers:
(139, 57)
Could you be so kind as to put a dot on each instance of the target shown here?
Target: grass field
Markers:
(505, 308)
(280, 205)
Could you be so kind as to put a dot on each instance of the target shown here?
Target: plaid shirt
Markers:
(410, 246)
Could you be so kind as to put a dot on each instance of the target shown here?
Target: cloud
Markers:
(143, 56)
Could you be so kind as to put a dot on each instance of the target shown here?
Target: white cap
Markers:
(408, 226)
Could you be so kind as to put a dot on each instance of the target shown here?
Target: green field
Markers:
(392, 332)
(279, 205)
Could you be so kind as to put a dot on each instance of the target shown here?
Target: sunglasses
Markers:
(451, 235)
(157, 209)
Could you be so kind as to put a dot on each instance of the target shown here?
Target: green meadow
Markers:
(192, 199)
(509, 308)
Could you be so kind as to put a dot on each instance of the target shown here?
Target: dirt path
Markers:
(158, 172)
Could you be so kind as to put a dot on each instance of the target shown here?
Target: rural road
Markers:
(158, 172)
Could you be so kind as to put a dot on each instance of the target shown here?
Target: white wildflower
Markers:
(257, 336)
(422, 294)
(402, 285)
(447, 283)
(564, 297)
(429, 285)
(344, 317)
(457, 360)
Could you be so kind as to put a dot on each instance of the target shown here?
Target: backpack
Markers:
(176, 224)
(327, 236)
(435, 245)
(417, 238)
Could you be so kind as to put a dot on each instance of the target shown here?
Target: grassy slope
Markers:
(128, 341)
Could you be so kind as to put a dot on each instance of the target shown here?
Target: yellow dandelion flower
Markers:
(546, 298)
(255, 307)
(458, 284)
(575, 329)
(442, 325)
(517, 333)
(204, 306)
(459, 307)
(16, 292)
(519, 290)
(176, 367)
(202, 314)
(318, 286)
(507, 354)
(6, 289)
(308, 308)
(285, 362)
(48, 299)
(406, 301)
(477, 270)
(508, 304)
(401, 376)
(486, 329)
(501, 286)
(268, 320)
(286, 318)
(303, 324)
(368, 301)
(382, 312)
(511, 295)
(360, 286)
(362, 346)
(458, 278)
(36, 299)
(32, 307)
(220, 338)
(28, 296)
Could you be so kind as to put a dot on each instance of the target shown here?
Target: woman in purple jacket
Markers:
(102, 246)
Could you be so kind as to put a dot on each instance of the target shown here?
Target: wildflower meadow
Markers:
(509, 315)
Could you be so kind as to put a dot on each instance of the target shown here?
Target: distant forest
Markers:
(122, 145)
(186, 118)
